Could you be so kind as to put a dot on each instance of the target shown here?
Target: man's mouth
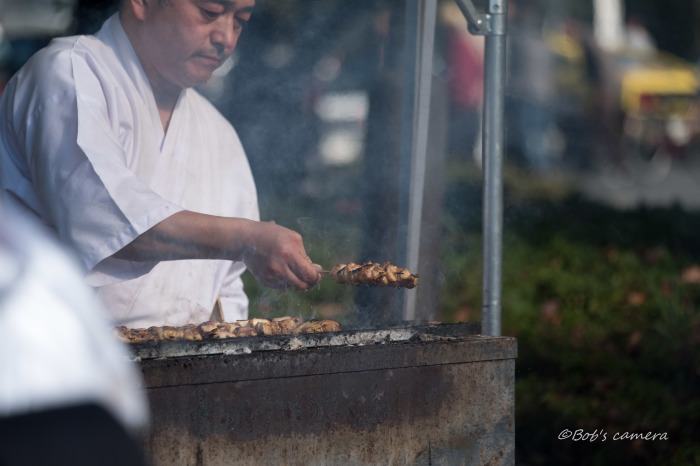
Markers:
(212, 61)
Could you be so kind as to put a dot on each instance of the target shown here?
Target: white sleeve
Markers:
(80, 175)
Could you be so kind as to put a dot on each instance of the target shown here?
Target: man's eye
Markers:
(208, 14)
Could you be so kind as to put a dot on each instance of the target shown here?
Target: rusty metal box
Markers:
(431, 394)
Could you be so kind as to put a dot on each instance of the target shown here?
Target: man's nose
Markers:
(225, 36)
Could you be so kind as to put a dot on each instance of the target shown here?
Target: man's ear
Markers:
(139, 7)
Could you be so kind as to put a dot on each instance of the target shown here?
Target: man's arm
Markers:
(274, 255)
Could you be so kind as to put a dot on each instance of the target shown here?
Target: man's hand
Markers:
(277, 258)
(274, 255)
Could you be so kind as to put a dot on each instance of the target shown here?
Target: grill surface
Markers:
(430, 394)
(247, 345)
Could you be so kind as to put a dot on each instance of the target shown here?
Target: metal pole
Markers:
(420, 28)
(420, 35)
(492, 25)
(493, 150)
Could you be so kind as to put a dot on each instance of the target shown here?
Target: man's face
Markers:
(188, 39)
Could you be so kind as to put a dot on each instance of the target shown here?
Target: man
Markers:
(103, 138)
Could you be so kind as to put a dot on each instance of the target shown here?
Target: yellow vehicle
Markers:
(659, 104)
(655, 95)
(656, 84)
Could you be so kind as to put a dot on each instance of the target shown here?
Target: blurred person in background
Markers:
(141, 175)
(465, 77)
(68, 394)
(530, 89)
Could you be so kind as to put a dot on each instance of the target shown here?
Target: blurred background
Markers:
(601, 280)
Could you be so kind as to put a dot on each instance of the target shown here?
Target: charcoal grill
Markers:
(421, 394)
(413, 394)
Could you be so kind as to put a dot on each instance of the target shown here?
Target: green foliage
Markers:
(605, 308)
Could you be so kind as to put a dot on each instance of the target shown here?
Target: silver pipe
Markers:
(493, 137)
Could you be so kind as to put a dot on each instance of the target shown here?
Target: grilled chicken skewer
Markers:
(373, 274)
(221, 330)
